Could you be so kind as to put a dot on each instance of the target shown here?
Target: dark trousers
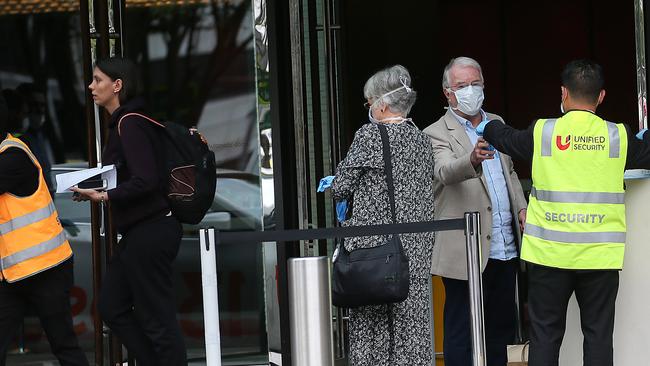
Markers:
(499, 310)
(549, 290)
(137, 296)
(48, 294)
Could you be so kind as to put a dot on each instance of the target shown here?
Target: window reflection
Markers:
(197, 64)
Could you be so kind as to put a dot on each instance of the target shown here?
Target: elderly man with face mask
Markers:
(471, 176)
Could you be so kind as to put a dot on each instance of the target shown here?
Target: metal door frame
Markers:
(101, 32)
(641, 25)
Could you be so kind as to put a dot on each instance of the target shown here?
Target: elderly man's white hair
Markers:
(391, 79)
(461, 61)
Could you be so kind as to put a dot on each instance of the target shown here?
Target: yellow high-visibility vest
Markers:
(576, 210)
(32, 239)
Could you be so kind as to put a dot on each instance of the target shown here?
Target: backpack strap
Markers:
(119, 123)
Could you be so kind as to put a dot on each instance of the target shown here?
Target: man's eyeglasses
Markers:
(366, 105)
(465, 85)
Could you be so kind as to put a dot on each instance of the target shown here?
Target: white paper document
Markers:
(65, 181)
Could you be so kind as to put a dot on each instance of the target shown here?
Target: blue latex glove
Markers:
(479, 131)
(481, 127)
(639, 136)
(325, 183)
(341, 210)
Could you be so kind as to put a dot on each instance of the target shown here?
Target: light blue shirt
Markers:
(502, 242)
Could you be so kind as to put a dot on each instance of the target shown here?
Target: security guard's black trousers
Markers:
(549, 291)
(48, 295)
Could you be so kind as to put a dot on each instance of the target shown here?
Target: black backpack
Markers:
(192, 170)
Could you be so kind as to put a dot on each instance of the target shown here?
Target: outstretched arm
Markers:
(516, 143)
(638, 151)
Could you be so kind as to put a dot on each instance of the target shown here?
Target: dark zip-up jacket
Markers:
(137, 154)
(18, 174)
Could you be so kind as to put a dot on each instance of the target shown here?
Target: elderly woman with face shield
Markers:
(399, 333)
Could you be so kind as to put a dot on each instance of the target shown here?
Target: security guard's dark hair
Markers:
(584, 79)
(124, 69)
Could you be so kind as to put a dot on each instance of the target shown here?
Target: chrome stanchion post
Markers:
(475, 285)
(310, 311)
(210, 296)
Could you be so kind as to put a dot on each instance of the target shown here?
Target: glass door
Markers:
(316, 67)
(198, 68)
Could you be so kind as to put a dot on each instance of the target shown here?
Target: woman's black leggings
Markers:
(137, 297)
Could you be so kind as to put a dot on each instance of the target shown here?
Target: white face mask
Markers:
(401, 119)
(470, 99)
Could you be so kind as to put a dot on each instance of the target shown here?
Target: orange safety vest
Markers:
(32, 239)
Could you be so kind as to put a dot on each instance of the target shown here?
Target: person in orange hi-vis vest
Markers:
(35, 256)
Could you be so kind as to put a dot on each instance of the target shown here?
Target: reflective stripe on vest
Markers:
(11, 143)
(547, 137)
(577, 197)
(614, 140)
(27, 219)
(34, 251)
(572, 237)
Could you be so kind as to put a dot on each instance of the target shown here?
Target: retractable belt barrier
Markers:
(310, 300)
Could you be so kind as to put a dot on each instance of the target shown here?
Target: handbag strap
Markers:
(388, 168)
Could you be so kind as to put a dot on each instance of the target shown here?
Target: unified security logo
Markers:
(597, 143)
(560, 145)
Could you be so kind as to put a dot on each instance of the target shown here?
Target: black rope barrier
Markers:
(229, 237)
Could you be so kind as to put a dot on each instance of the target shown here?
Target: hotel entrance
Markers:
(276, 88)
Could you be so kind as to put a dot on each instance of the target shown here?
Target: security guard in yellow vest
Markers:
(35, 256)
(574, 237)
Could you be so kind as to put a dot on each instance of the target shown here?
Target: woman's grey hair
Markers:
(387, 80)
(461, 62)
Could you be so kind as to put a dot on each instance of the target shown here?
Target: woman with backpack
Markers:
(137, 297)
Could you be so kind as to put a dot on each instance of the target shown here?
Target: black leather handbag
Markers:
(377, 275)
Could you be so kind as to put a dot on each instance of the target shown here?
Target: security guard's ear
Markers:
(565, 93)
(601, 96)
